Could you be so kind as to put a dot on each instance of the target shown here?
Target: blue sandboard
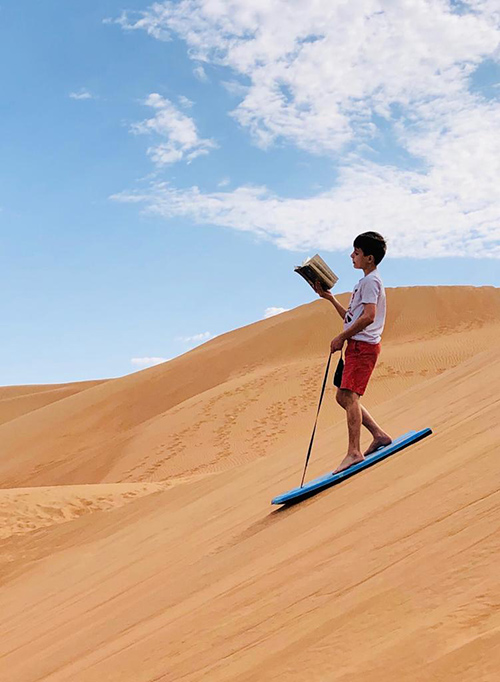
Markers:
(317, 484)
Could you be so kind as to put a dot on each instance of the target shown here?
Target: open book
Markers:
(316, 270)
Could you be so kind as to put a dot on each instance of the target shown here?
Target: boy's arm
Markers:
(330, 297)
(366, 318)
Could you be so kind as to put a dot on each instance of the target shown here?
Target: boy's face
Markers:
(360, 261)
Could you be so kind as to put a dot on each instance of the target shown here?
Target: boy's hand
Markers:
(337, 343)
(321, 292)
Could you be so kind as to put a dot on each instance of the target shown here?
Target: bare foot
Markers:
(377, 443)
(349, 461)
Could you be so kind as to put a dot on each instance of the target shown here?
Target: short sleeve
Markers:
(370, 291)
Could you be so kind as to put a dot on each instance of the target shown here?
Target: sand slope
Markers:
(23, 510)
(18, 400)
(239, 397)
(390, 576)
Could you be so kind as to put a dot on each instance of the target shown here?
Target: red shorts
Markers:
(359, 360)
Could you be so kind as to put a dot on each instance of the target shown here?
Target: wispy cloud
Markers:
(82, 94)
(319, 70)
(185, 102)
(343, 80)
(271, 312)
(143, 23)
(422, 215)
(148, 362)
(200, 73)
(197, 338)
(182, 139)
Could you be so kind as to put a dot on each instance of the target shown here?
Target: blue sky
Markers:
(164, 168)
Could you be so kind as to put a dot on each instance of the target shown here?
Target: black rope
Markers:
(317, 415)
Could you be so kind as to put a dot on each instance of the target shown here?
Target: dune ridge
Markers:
(197, 577)
(16, 401)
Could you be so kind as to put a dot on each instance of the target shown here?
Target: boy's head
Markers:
(369, 249)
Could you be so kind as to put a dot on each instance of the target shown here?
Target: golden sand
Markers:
(137, 540)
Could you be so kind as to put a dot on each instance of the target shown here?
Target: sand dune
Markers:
(18, 400)
(180, 419)
(390, 576)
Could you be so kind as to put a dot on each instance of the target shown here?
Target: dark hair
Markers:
(371, 244)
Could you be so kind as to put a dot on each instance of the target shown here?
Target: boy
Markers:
(363, 324)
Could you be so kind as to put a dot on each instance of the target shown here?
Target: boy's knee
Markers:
(341, 397)
(346, 397)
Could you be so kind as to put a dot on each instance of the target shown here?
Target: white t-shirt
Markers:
(369, 289)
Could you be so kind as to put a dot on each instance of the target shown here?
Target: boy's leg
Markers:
(350, 402)
(380, 437)
(360, 360)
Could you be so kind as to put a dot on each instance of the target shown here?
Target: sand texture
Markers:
(138, 543)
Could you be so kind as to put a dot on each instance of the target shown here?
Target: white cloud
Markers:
(421, 215)
(200, 73)
(224, 182)
(271, 312)
(185, 102)
(182, 140)
(317, 71)
(148, 362)
(235, 88)
(144, 23)
(322, 76)
(83, 94)
(197, 338)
